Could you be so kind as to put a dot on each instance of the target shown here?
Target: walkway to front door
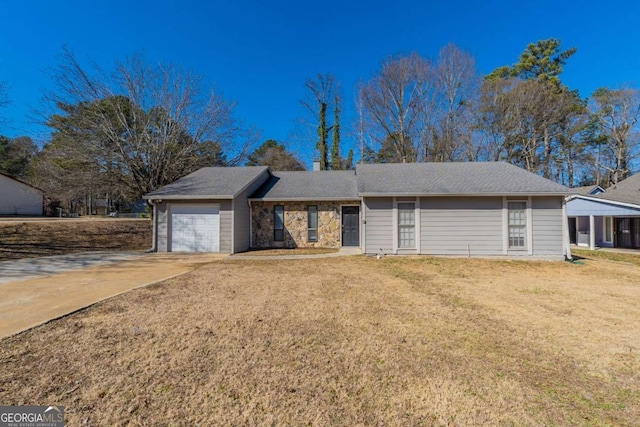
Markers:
(350, 226)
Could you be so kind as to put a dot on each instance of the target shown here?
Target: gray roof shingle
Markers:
(471, 178)
(588, 190)
(304, 185)
(626, 191)
(210, 182)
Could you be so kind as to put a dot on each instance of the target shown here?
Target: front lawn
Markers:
(45, 237)
(346, 341)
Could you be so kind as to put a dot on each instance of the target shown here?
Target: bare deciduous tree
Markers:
(617, 112)
(396, 104)
(142, 125)
(456, 87)
(524, 119)
(4, 100)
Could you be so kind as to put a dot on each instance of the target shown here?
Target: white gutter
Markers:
(565, 231)
(154, 247)
(393, 194)
(604, 201)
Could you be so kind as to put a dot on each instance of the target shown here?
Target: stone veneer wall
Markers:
(295, 224)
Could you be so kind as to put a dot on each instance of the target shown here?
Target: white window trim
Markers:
(317, 220)
(529, 213)
(606, 219)
(394, 225)
(528, 244)
(416, 224)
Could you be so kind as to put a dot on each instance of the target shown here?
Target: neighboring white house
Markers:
(606, 218)
(18, 198)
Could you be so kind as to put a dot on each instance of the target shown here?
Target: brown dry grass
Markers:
(346, 341)
(42, 238)
(287, 252)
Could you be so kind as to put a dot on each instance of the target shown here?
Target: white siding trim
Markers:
(233, 227)
(394, 224)
(592, 232)
(363, 226)
(154, 232)
(565, 231)
(529, 227)
(505, 226)
(418, 221)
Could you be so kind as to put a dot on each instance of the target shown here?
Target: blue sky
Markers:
(259, 53)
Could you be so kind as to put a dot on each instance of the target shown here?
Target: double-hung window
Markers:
(517, 224)
(278, 223)
(312, 223)
(406, 225)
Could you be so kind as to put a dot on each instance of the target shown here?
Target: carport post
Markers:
(592, 232)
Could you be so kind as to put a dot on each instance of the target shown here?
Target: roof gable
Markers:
(626, 191)
(210, 182)
(588, 190)
(8, 179)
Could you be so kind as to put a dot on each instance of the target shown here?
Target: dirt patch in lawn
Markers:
(346, 341)
(42, 238)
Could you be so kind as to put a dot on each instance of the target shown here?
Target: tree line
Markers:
(121, 133)
(413, 109)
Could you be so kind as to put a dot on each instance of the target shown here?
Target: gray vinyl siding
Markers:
(379, 225)
(226, 226)
(242, 215)
(164, 219)
(461, 225)
(547, 225)
(162, 227)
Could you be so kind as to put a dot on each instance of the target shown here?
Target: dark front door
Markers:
(350, 226)
(623, 232)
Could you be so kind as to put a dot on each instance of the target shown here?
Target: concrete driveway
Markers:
(34, 291)
(30, 268)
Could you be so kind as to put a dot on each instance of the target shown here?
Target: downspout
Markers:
(565, 231)
(154, 221)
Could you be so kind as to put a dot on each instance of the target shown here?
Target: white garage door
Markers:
(195, 228)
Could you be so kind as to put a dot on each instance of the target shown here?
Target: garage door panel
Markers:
(195, 229)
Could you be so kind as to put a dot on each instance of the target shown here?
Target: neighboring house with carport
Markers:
(469, 209)
(19, 198)
(610, 218)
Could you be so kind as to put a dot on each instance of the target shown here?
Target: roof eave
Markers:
(603, 200)
(533, 194)
(186, 197)
(302, 199)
